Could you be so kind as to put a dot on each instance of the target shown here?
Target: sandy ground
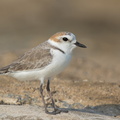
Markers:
(27, 112)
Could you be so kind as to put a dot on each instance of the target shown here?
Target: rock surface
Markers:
(28, 112)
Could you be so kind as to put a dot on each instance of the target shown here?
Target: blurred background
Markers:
(96, 23)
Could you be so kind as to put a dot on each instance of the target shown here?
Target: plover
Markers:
(43, 62)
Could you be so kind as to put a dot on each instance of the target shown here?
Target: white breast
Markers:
(58, 64)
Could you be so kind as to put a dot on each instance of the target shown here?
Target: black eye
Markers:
(65, 39)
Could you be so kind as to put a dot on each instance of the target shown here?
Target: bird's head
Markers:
(66, 41)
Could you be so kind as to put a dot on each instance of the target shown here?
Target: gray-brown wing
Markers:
(38, 57)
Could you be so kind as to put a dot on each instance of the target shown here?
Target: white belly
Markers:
(58, 64)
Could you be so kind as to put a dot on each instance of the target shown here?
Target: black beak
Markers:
(80, 45)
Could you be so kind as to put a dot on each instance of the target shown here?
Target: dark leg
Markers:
(56, 110)
(41, 92)
(48, 90)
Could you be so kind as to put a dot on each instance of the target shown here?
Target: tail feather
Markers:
(4, 70)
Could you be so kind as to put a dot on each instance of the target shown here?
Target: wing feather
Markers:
(38, 57)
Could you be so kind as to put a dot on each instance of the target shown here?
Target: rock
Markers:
(7, 100)
(28, 112)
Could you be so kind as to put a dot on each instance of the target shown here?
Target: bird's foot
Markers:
(53, 112)
(56, 111)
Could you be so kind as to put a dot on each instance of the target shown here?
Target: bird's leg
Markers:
(56, 110)
(48, 90)
(52, 113)
(41, 92)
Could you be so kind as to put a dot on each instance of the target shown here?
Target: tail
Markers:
(4, 70)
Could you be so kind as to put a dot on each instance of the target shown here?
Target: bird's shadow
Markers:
(106, 109)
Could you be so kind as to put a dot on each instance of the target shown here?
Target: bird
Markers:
(43, 62)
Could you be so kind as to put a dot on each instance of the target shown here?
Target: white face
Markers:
(65, 41)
